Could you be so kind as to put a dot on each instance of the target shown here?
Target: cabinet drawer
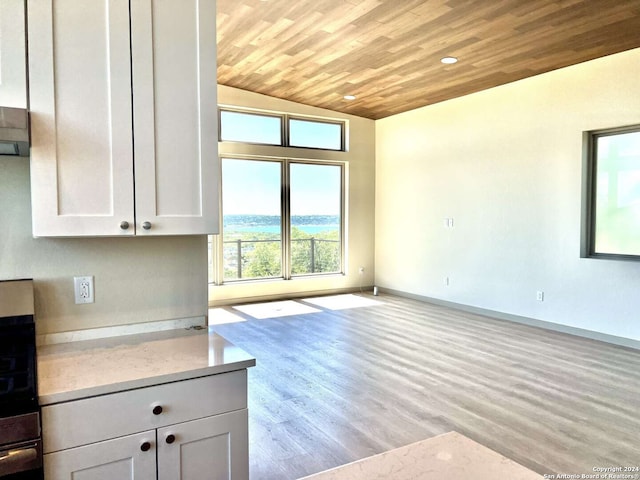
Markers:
(71, 424)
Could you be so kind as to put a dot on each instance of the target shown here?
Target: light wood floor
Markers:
(337, 385)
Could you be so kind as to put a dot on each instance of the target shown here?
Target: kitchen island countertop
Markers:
(449, 456)
(70, 371)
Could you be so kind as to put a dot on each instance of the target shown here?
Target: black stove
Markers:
(20, 442)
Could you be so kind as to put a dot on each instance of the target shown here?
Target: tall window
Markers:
(281, 217)
(266, 201)
(611, 224)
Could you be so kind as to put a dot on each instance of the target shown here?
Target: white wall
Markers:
(506, 164)
(136, 279)
(360, 160)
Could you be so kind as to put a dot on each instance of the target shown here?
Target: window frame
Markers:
(217, 275)
(287, 222)
(589, 193)
(285, 137)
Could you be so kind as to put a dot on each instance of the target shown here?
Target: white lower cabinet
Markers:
(121, 458)
(188, 430)
(213, 448)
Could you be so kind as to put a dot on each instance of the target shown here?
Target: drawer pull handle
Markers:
(157, 410)
(145, 447)
(170, 438)
(124, 225)
(146, 225)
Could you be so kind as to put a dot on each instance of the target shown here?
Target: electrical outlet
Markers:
(361, 270)
(446, 281)
(83, 289)
(540, 296)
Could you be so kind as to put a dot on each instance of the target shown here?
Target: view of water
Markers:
(310, 229)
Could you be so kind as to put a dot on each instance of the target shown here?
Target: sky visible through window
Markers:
(315, 189)
(304, 133)
(250, 128)
(253, 188)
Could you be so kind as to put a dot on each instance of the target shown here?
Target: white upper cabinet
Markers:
(175, 115)
(81, 125)
(123, 117)
(13, 70)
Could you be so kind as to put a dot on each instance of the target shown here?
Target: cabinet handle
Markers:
(124, 225)
(145, 447)
(170, 438)
(146, 225)
(19, 459)
(157, 410)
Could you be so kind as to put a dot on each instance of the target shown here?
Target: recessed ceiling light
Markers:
(349, 97)
(449, 60)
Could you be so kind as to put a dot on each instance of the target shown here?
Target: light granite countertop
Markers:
(70, 371)
(450, 456)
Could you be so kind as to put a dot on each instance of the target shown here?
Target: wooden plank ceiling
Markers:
(387, 52)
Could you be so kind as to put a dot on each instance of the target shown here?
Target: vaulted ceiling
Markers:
(387, 52)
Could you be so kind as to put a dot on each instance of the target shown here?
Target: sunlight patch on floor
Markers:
(220, 316)
(284, 308)
(342, 302)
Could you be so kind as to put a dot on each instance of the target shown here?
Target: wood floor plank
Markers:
(338, 385)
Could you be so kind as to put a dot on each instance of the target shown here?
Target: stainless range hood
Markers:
(14, 131)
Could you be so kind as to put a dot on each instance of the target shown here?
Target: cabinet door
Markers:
(13, 73)
(121, 458)
(212, 448)
(81, 122)
(173, 46)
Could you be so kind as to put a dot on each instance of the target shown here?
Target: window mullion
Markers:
(285, 131)
(343, 216)
(286, 221)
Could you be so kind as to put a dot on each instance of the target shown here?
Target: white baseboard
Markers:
(532, 322)
(286, 296)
